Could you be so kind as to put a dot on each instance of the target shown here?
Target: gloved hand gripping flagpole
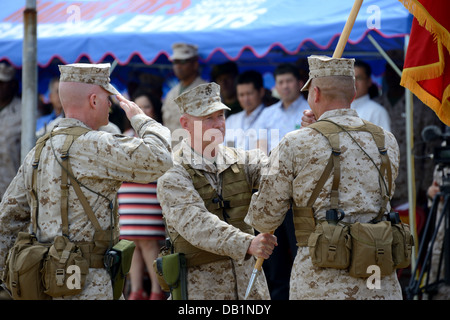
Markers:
(338, 51)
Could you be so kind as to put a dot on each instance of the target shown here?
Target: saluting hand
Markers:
(262, 245)
(131, 109)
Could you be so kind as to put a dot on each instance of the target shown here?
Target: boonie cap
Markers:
(201, 101)
(97, 74)
(323, 66)
(7, 72)
(183, 51)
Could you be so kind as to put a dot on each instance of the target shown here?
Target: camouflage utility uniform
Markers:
(185, 213)
(295, 167)
(100, 161)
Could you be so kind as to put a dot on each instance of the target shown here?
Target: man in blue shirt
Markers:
(57, 111)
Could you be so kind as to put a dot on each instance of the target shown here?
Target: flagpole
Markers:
(337, 54)
(347, 29)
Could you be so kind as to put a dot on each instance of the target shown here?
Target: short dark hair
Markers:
(285, 68)
(229, 67)
(251, 76)
(365, 66)
(154, 100)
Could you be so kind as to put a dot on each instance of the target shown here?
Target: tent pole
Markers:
(410, 164)
(29, 78)
(384, 55)
(409, 146)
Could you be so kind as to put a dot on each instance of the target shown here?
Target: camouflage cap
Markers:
(202, 100)
(323, 66)
(7, 72)
(183, 51)
(97, 74)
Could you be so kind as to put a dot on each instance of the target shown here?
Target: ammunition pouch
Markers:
(330, 246)
(118, 262)
(402, 243)
(65, 269)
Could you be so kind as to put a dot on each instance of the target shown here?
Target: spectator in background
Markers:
(366, 108)
(282, 118)
(56, 106)
(285, 115)
(186, 68)
(242, 127)
(10, 122)
(141, 216)
(225, 76)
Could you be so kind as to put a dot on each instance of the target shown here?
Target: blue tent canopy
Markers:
(256, 33)
(70, 30)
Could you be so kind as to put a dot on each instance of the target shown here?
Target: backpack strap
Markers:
(72, 134)
(379, 138)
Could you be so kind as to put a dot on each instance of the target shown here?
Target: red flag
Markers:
(426, 71)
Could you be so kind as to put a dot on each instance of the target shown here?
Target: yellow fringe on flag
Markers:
(412, 75)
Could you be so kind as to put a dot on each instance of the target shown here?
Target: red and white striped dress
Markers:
(140, 212)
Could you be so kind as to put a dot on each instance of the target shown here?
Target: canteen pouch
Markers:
(402, 244)
(65, 269)
(173, 269)
(118, 262)
(330, 246)
(371, 245)
(22, 273)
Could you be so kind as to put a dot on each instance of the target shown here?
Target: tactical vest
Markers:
(304, 221)
(94, 250)
(231, 206)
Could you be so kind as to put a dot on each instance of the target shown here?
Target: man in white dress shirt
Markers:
(243, 127)
(285, 115)
(367, 108)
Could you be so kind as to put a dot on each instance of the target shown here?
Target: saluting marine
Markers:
(100, 162)
(354, 190)
(205, 197)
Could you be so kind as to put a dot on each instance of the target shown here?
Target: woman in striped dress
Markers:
(141, 218)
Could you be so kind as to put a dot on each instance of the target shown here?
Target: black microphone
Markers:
(431, 133)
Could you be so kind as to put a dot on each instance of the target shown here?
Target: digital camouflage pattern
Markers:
(88, 73)
(170, 111)
(10, 145)
(294, 169)
(202, 100)
(100, 161)
(185, 213)
(323, 66)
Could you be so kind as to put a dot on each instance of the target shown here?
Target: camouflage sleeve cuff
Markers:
(141, 123)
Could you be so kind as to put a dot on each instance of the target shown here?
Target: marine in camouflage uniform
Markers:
(186, 213)
(185, 66)
(10, 122)
(295, 167)
(99, 160)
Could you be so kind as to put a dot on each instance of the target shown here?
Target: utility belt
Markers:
(384, 242)
(40, 271)
(355, 246)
